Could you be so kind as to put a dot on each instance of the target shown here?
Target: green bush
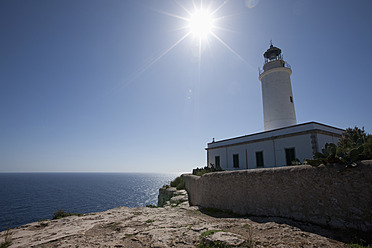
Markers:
(5, 244)
(178, 183)
(354, 139)
(181, 185)
(175, 182)
(215, 244)
(61, 214)
(354, 145)
(151, 206)
(7, 239)
(206, 169)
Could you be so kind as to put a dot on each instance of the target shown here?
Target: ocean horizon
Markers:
(33, 196)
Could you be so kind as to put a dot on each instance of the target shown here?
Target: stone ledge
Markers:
(170, 196)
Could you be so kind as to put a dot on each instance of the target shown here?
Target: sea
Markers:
(30, 197)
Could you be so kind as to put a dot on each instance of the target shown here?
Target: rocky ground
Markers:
(175, 225)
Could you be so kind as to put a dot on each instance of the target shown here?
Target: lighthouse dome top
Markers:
(272, 53)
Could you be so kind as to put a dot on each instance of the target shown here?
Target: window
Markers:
(236, 160)
(259, 159)
(217, 161)
(290, 155)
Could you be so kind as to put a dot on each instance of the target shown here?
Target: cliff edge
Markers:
(176, 225)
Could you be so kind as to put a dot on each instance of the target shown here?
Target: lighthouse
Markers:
(277, 97)
(283, 142)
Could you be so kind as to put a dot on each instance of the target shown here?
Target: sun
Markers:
(200, 23)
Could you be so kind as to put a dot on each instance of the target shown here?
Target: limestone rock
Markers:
(170, 196)
(174, 226)
(179, 226)
(225, 238)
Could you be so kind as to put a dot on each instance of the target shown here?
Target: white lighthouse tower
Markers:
(283, 140)
(277, 97)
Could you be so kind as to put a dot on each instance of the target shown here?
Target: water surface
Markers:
(29, 197)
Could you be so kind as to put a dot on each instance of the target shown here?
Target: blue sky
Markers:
(110, 86)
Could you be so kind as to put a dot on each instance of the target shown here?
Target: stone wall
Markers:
(319, 195)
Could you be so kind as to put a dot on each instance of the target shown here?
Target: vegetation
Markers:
(360, 246)
(217, 244)
(61, 214)
(354, 138)
(151, 206)
(7, 239)
(44, 224)
(206, 169)
(248, 228)
(5, 244)
(209, 232)
(114, 226)
(295, 162)
(353, 146)
(178, 183)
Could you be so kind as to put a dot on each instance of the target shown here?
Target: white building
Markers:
(283, 140)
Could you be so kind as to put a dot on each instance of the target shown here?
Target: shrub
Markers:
(175, 182)
(5, 244)
(206, 169)
(151, 206)
(354, 145)
(181, 185)
(115, 226)
(215, 244)
(209, 232)
(295, 162)
(7, 239)
(61, 214)
(355, 138)
(178, 183)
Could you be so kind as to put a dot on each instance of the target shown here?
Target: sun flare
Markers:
(201, 23)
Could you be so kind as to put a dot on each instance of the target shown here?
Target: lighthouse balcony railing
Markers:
(285, 64)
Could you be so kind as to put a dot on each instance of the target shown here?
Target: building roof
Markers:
(276, 133)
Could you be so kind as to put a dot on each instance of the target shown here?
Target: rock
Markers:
(165, 193)
(178, 226)
(178, 199)
(170, 196)
(225, 238)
